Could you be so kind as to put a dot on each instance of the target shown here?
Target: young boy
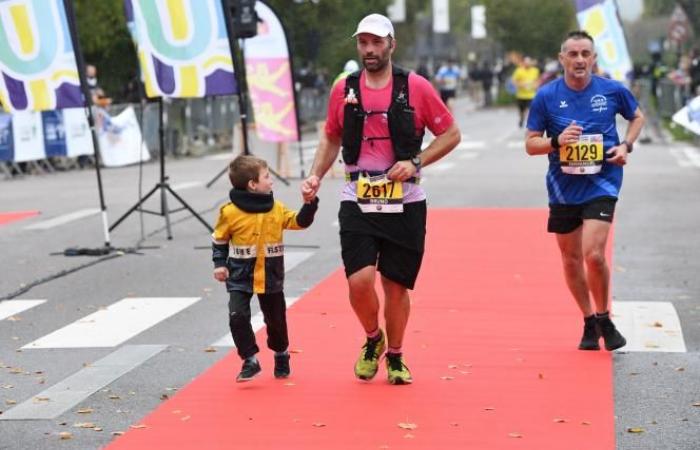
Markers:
(251, 226)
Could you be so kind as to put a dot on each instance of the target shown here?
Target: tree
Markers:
(320, 33)
(656, 8)
(106, 43)
(532, 27)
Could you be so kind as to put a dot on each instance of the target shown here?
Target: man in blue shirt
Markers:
(577, 112)
(447, 78)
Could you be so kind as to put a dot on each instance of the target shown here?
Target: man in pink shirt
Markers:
(378, 116)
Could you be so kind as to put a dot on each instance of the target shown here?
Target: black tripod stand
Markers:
(240, 74)
(163, 186)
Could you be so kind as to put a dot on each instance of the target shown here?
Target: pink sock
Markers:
(374, 334)
(394, 350)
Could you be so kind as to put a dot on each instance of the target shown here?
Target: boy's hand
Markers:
(221, 274)
(309, 188)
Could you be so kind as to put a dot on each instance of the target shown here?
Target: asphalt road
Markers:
(655, 248)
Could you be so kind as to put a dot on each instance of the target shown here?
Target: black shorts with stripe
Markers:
(564, 219)
(393, 242)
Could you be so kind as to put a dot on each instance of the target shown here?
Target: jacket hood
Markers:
(252, 202)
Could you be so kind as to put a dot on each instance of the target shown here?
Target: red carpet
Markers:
(7, 217)
(491, 345)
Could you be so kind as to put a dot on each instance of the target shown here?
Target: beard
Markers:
(377, 63)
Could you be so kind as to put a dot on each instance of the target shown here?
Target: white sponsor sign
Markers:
(478, 22)
(689, 116)
(28, 133)
(77, 130)
(441, 16)
(120, 139)
(397, 11)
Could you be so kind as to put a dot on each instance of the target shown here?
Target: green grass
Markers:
(678, 132)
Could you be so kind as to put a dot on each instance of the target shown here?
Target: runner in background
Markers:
(447, 79)
(578, 113)
(525, 79)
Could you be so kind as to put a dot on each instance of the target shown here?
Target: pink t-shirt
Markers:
(378, 155)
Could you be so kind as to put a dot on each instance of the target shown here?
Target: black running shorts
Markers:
(523, 104)
(564, 219)
(393, 242)
(447, 94)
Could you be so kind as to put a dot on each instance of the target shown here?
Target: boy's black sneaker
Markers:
(282, 366)
(249, 371)
(612, 338)
(591, 334)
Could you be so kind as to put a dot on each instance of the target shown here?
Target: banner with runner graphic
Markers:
(182, 47)
(270, 83)
(38, 69)
(600, 19)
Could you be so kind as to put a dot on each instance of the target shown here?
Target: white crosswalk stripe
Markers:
(9, 308)
(649, 326)
(65, 394)
(440, 167)
(115, 324)
(187, 185)
(470, 145)
(686, 156)
(468, 155)
(63, 219)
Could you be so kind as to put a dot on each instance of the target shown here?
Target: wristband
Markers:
(555, 142)
(628, 144)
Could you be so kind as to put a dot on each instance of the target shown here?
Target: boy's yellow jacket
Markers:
(247, 239)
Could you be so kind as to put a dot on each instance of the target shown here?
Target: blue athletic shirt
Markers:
(594, 108)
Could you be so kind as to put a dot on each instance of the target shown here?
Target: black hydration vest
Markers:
(400, 115)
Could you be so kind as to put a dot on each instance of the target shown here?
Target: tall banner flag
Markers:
(600, 19)
(269, 76)
(182, 46)
(441, 16)
(38, 70)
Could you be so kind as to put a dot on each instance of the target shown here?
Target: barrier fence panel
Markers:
(193, 127)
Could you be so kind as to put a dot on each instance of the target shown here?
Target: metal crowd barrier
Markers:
(193, 127)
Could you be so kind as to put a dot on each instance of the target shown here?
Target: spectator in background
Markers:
(681, 79)
(525, 79)
(132, 92)
(485, 75)
(351, 66)
(447, 79)
(694, 72)
(423, 70)
(100, 101)
(551, 72)
(96, 92)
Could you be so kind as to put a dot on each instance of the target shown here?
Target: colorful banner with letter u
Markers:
(599, 18)
(182, 46)
(270, 80)
(38, 71)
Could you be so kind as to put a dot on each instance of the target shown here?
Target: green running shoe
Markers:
(368, 363)
(396, 369)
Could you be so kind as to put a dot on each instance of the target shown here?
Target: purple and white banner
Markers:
(38, 71)
(599, 18)
(183, 47)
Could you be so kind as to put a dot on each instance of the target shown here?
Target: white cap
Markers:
(351, 66)
(375, 24)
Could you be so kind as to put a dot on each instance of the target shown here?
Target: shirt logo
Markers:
(599, 103)
(563, 104)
